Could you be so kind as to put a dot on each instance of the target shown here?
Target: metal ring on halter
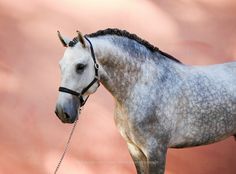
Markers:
(96, 66)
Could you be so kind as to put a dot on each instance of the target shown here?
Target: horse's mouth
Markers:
(68, 121)
(65, 118)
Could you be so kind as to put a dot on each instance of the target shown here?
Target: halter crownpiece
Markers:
(95, 80)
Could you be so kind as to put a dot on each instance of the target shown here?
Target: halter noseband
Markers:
(95, 80)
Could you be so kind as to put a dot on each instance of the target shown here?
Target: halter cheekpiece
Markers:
(95, 80)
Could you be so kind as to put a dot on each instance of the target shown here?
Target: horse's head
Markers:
(79, 77)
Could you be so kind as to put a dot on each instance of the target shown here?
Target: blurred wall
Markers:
(197, 32)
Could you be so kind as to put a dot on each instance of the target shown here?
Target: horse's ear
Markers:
(63, 40)
(81, 38)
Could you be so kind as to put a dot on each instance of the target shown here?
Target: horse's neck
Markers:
(118, 71)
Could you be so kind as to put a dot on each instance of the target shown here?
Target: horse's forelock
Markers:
(73, 42)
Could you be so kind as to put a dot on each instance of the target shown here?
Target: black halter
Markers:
(95, 80)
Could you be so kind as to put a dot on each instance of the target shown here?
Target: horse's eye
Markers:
(80, 68)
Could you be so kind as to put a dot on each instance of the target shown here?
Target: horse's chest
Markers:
(124, 124)
(121, 121)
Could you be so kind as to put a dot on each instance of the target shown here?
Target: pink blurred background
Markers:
(32, 138)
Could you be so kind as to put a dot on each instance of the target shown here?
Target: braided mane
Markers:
(124, 33)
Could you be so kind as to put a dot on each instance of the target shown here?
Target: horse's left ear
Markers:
(81, 38)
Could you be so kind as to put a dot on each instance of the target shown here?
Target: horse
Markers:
(160, 102)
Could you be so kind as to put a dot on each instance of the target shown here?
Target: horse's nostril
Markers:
(66, 115)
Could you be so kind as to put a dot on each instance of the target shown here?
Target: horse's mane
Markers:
(124, 33)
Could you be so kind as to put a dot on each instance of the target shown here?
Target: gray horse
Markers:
(160, 102)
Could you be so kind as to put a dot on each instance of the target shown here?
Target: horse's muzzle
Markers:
(67, 111)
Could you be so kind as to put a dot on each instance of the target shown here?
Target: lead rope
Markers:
(66, 147)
